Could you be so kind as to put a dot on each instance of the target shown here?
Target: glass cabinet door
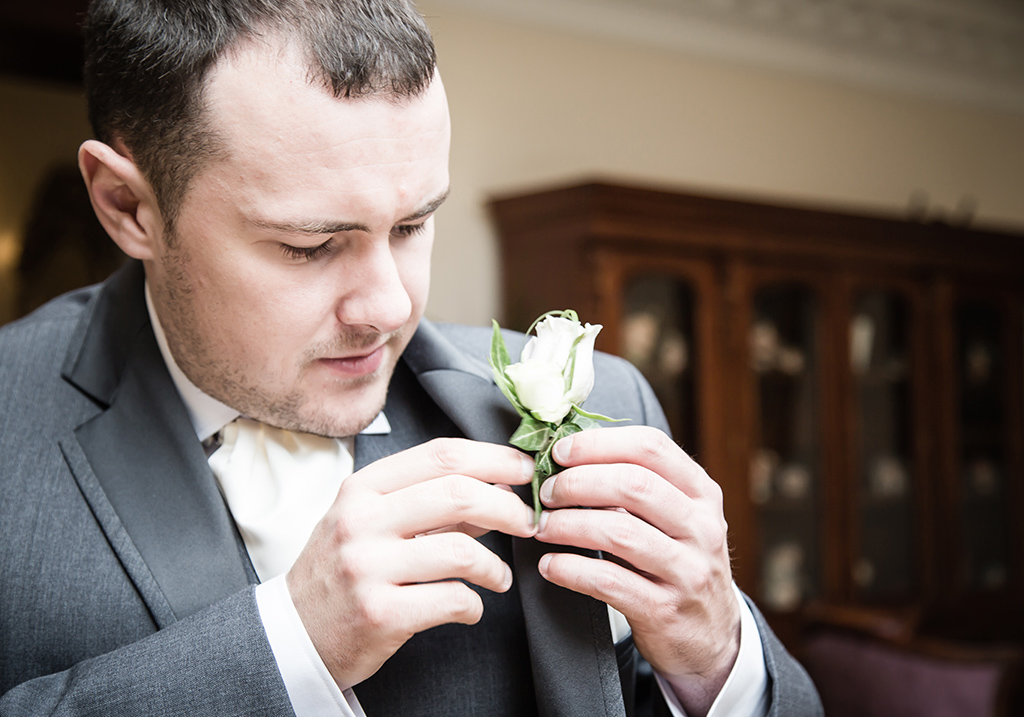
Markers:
(785, 466)
(880, 367)
(657, 337)
(984, 498)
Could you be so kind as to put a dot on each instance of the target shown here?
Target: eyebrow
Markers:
(330, 227)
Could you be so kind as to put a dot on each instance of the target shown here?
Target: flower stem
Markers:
(543, 469)
(537, 480)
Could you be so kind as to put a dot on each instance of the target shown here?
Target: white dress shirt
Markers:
(273, 536)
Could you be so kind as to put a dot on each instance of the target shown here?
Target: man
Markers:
(187, 430)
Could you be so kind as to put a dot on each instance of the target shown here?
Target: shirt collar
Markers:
(208, 415)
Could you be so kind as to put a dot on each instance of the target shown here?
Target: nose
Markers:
(377, 297)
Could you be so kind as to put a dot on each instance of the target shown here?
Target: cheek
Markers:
(268, 337)
(255, 317)
(275, 319)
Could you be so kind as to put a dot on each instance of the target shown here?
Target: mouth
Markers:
(356, 366)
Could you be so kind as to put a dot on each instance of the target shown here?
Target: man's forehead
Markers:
(293, 154)
(267, 86)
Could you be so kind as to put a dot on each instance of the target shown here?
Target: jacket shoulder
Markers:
(32, 355)
(45, 333)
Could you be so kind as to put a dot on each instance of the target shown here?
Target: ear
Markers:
(123, 200)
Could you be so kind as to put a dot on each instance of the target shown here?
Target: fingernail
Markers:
(542, 566)
(543, 521)
(532, 521)
(507, 582)
(546, 489)
(526, 465)
(562, 450)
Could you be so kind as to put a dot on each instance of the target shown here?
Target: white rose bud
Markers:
(542, 379)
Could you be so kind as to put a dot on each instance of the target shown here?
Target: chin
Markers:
(346, 416)
(333, 408)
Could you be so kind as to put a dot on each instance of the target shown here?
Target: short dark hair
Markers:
(147, 61)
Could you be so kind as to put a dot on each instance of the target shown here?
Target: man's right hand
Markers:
(386, 560)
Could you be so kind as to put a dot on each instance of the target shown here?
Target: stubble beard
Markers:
(291, 409)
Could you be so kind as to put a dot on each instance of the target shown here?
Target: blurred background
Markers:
(802, 219)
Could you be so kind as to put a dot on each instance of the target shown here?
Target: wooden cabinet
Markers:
(855, 384)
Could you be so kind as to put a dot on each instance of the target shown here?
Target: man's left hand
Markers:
(660, 521)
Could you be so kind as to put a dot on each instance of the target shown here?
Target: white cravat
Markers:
(278, 485)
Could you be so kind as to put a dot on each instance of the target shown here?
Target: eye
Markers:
(307, 253)
(402, 231)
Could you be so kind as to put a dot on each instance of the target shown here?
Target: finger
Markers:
(447, 556)
(487, 462)
(638, 490)
(473, 531)
(422, 606)
(637, 542)
(626, 591)
(451, 500)
(643, 446)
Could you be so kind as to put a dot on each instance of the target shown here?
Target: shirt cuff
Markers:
(310, 687)
(745, 693)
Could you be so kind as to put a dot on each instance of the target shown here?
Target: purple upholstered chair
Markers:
(861, 676)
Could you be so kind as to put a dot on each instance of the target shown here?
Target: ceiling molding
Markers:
(968, 51)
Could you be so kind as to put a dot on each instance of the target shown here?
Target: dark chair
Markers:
(866, 667)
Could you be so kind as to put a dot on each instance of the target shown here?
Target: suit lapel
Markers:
(575, 670)
(141, 467)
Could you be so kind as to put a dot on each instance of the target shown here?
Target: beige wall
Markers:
(533, 108)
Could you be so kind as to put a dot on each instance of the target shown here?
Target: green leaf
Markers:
(567, 429)
(532, 435)
(584, 423)
(544, 467)
(499, 360)
(596, 416)
(510, 393)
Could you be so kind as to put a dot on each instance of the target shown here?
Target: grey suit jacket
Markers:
(124, 586)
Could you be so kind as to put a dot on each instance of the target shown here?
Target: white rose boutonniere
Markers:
(554, 376)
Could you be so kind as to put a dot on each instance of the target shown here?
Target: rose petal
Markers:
(553, 342)
(540, 387)
(583, 371)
